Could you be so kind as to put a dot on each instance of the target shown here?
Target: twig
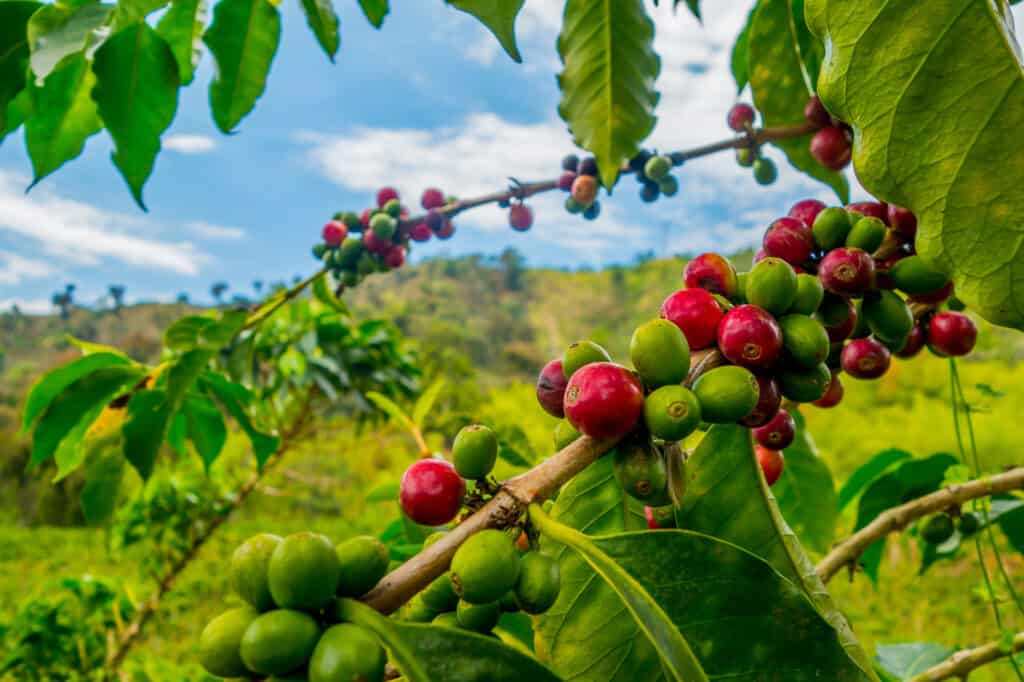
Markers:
(897, 518)
(272, 303)
(961, 663)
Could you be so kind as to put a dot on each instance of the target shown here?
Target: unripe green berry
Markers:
(765, 172)
(475, 451)
(726, 394)
(937, 529)
(867, 233)
(539, 583)
(805, 385)
(364, 561)
(485, 567)
(913, 276)
(888, 316)
(478, 617)
(831, 228)
(672, 412)
(393, 208)
(745, 157)
(804, 341)
(660, 353)
(657, 167)
(573, 206)
(383, 226)
(809, 294)
(582, 353)
(772, 285)
(669, 186)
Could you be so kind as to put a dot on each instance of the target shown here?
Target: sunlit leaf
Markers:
(499, 16)
(375, 11)
(323, 21)
(56, 381)
(14, 54)
(206, 428)
(182, 27)
(149, 414)
(61, 29)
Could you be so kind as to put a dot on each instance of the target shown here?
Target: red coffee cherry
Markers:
(520, 217)
(604, 400)
(334, 233)
(375, 244)
(865, 358)
(834, 394)
(394, 257)
(386, 194)
(711, 272)
(807, 210)
(915, 342)
(847, 271)
(696, 312)
(777, 434)
(740, 116)
(831, 148)
(432, 198)
(903, 221)
(870, 209)
(420, 232)
(789, 239)
(772, 462)
(937, 296)
(768, 401)
(584, 189)
(431, 492)
(814, 112)
(750, 337)
(565, 180)
(446, 230)
(952, 333)
(551, 388)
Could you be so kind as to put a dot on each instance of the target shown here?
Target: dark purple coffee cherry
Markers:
(847, 271)
(740, 117)
(865, 358)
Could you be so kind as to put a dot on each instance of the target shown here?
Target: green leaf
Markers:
(868, 472)
(177, 433)
(806, 492)
(149, 416)
(383, 492)
(390, 408)
(182, 374)
(1012, 525)
(184, 333)
(913, 478)
(375, 11)
(77, 400)
(726, 497)
(14, 54)
(56, 381)
(513, 456)
(499, 16)
(56, 31)
(90, 347)
(132, 11)
(206, 428)
(72, 450)
(693, 5)
(235, 398)
(66, 116)
(607, 83)
(104, 470)
(323, 293)
(18, 111)
(137, 94)
(323, 21)
(428, 653)
(426, 401)
(243, 39)
(777, 79)
(906, 660)
(739, 62)
(922, 147)
(204, 331)
(182, 27)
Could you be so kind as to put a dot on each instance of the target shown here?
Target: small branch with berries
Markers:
(962, 663)
(847, 552)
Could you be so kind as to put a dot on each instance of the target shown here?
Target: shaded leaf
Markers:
(806, 493)
(204, 331)
(18, 110)
(56, 381)
(56, 31)
(1012, 525)
(499, 16)
(390, 408)
(739, 62)
(868, 472)
(323, 21)
(149, 415)
(383, 492)
(425, 403)
(104, 470)
(513, 456)
(137, 94)
(206, 428)
(375, 11)
(14, 54)
(607, 83)
(922, 147)
(177, 433)
(906, 660)
(780, 88)
(323, 293)
(235, 398)
(182, 374)
(243, 39)
(182, 27)
(72, 450)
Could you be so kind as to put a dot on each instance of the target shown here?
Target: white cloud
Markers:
(14, 268)
(31, 306)
(189, 144)
(207, 230)
(80, 233)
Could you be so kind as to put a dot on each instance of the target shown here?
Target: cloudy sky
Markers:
(430, 100)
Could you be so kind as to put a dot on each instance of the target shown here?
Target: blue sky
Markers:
(429, 100)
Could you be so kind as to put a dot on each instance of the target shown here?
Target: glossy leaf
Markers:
(182, 374)
(66, 116)
(73, 449)
(739, 62)
(428, 653)
(132, 11)
(177, 433)
(913, 478)
(933, 149)
(206, 428)
(727, 497)
(18, 110)
(243, 39)
(91, 347)
(149, 415)
(806, 492)
(375, 11)
(14, 53)
(182, 27)
(137, 94)
(779, 85)
(903, 661)
(323, 21)
(56, 381)
(204, 331)
(104, 470)
(79, 399)
(499, 16)
(235, 398)
(868, 472)
(59, 30)
(607, 83)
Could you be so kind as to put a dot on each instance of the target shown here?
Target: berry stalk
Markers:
(960, 664)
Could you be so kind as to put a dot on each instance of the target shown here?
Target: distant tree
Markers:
(257, 286)
(183, 298)
(644, 257)
(64, 300)
(240, 300)
(117, 294)
(513, 264)
(218, 290)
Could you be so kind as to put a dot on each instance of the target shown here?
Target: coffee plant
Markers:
(649, 545)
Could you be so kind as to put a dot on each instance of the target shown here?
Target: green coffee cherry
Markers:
(867, 234)
(888, 316)
(363, 561)
(804, 341)
(726, 394)
(772, 285)
(862, 329)
(439, 596)
(351, 221)
(349, 252)
(347, 652)
(745, 157)
(913, 276)
(249, 566)
(219, 643)
(582, 353)
(969, 524)
(478, 617)
(418, 612)
(475, 451)
(640, 470)
(831, 228)
(508, 601)
(740, 297)
(303, 572)
(367, 264)
(393, 208)
(539, 583)
(938, 529)
(573, 206)
(485, 567)
(809, 295)
(383, 226)
(278, 642)
(319, 250)
(805, 385)
(668, 186)
(447, 620)
(765, 172)
(660, 353)
(565, 434)
(657, 167)
(672, 412)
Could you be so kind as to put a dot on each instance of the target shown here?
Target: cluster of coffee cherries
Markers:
(740, 119)
(287, 626)
(939, 528)
(493, 571)
(822, 298)
(579, 177)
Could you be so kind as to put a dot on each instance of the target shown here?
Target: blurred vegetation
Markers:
(485, 325)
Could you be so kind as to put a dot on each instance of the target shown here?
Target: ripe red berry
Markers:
(772, 463)
(865, 358)
(915, 342)
(520, 217)
(831, 148)
(870, 209)
(446, 230)
(420, 232)
(847, 271)
(740, 116)
(814, 112)
(952, 333)
(386, 194)
(364, 219)
(551, 388)
(603, 400)
(584, 189)
(833, 395)
(790, 239)
(778, 433)
(937, 296)
(375, 244)
(696, 312)
(760, 256)
(334, 233)
(749, 336)
(432, 198)
(768, 401)
(394, 257)
(903, 221)
(807, 210)
(565, 181)
(652, 523)
(431, 492)
(711, 272)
